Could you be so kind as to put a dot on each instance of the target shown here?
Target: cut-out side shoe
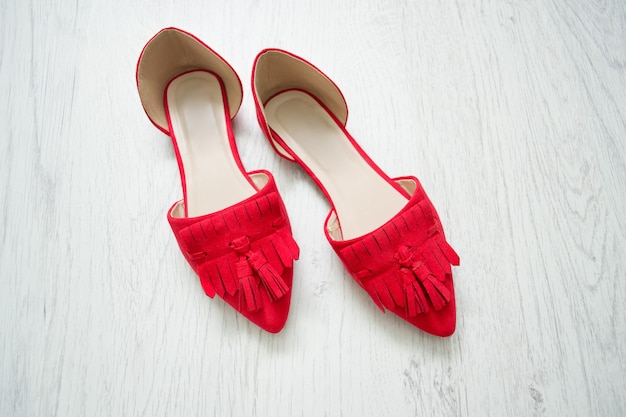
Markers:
(231, 225)
(386, 231)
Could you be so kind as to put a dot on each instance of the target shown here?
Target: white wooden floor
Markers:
(513, 115)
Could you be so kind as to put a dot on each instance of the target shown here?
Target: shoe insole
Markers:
(363, 200)
(199, 125)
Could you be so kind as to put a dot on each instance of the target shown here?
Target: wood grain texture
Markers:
(512, 114)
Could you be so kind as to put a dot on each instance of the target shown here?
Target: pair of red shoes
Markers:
(232, 226)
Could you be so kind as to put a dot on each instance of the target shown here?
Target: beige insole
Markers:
(196, 108)
(363, 200)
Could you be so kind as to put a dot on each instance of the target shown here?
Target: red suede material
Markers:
(402, 263)
(405, 265)
(244, 254)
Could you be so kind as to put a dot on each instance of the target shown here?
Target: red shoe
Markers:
(231, 225)
(386, 232)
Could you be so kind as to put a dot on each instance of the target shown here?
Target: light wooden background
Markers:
(513, 115)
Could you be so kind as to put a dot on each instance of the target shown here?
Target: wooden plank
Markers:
(512, 114)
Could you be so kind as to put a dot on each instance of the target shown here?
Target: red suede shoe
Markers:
(231, 225)
(386, 232)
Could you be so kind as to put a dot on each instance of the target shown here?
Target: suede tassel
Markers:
(413, 286)
(424, 283)
(248, 286)
(275, 285)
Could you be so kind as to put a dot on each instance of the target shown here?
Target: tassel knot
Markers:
(256, 260)
(243, 251)
(241, 245)
(251, 262)
(404, 256)
(419, 284)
